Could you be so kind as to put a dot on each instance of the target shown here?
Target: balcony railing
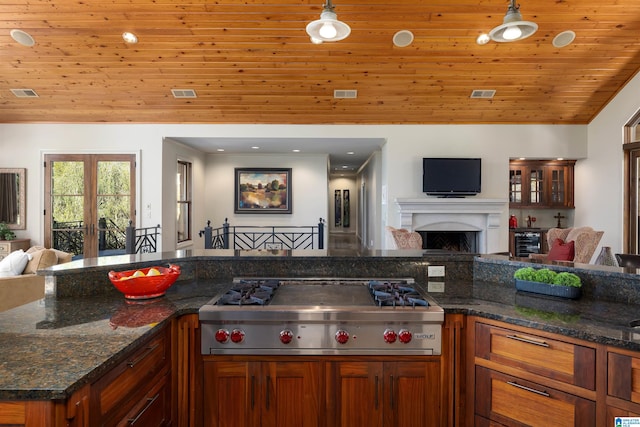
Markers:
(263, 237)
(141, 240)
(69, 237)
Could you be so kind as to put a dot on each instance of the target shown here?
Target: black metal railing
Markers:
(263, 237)
(141, 240)
(112, 239)
(69, 236)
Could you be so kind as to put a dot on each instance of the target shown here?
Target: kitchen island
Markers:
(54, 347)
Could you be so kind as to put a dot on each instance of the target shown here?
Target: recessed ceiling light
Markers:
(220, 149)
(255, 148)
(403, 38)
(295, 150)
(22, 37)
(483, 39)
(351, 153)
(560, 158)
(563, 39)
(129, 37)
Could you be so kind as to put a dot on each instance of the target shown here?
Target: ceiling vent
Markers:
(184, 93)
(24, 93)
(484, 94)
(350, 94)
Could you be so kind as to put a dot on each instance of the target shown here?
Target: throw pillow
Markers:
(42, 258)
(562, 251)
(14, 263)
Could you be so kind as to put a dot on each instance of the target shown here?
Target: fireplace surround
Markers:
(483, 216)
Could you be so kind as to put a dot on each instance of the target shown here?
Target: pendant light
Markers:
(328, 28)
(513, 27)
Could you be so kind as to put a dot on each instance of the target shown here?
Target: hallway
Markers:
(343, 244)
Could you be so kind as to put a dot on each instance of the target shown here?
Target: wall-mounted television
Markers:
(451, 177)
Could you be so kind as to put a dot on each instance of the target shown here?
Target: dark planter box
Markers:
(547, 289)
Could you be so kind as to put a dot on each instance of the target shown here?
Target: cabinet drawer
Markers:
(554, 359)
(154, 409)
(5, 249)
(117, 390)
(509, 400)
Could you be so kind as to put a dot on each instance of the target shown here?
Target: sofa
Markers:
(19, 289)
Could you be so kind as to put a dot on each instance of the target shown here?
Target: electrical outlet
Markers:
(435, 287)
(435, 270)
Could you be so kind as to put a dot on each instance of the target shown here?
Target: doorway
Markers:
(89, 202)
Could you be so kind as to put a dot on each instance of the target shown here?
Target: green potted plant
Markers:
(548, 282)
(5, 232)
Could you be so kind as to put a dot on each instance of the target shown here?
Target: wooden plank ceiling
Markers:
(250, 61)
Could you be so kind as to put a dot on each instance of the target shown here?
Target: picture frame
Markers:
(254, 192)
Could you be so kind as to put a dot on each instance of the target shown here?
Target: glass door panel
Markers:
(113, 205)
(536, 185)
(89, 202)
(68, 224)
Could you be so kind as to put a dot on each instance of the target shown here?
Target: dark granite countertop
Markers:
(52, 347)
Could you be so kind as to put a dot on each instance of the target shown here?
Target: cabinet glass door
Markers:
(536, 186)
(557, 186)
(515, 186)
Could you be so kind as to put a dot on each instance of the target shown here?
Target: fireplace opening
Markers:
(453, 241)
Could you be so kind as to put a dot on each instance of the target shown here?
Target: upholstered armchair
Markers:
(401, 238)
(585, 241)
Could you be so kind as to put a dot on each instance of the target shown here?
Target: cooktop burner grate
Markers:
(396, 294)
(253, 292)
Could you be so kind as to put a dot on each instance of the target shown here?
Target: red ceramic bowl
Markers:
(144, 287)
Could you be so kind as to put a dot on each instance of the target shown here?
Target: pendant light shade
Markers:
(513, 27)
(328, 28)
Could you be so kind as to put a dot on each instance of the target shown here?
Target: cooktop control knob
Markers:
(222, 335)
(404, 336)
(390, 336)
(342, 336)
(237, 336)
(286, 336)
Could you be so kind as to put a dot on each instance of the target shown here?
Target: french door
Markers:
(89, 201)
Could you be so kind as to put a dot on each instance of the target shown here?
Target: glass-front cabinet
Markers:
(541, 183)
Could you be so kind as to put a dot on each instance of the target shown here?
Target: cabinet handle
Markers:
(391, 390)
(268, 395)
(532, 390)
(147, 406)
(253, 393)
(375, 401)
(146, 353)
(528, 340)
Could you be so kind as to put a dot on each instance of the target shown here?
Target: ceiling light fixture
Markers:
(328, 28)
(22, 37)
(513, 27)
(129, 37)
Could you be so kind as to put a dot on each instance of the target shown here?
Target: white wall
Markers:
(309, 184)
(23, 146)
(399, 164)
(600, 178)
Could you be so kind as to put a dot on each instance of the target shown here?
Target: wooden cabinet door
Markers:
(412, 395)
(355, 394)
(291, 394)
(268, 394)
(510, 400)
(230, 394)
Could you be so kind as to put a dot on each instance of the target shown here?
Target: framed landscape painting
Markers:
(263, 190)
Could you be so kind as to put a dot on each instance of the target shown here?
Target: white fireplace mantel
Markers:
(455, 214)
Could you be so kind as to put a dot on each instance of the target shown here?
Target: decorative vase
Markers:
(606, 257)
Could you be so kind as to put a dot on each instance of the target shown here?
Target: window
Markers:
(183, 212)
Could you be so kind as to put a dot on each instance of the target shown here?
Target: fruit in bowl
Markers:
(144, 283)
